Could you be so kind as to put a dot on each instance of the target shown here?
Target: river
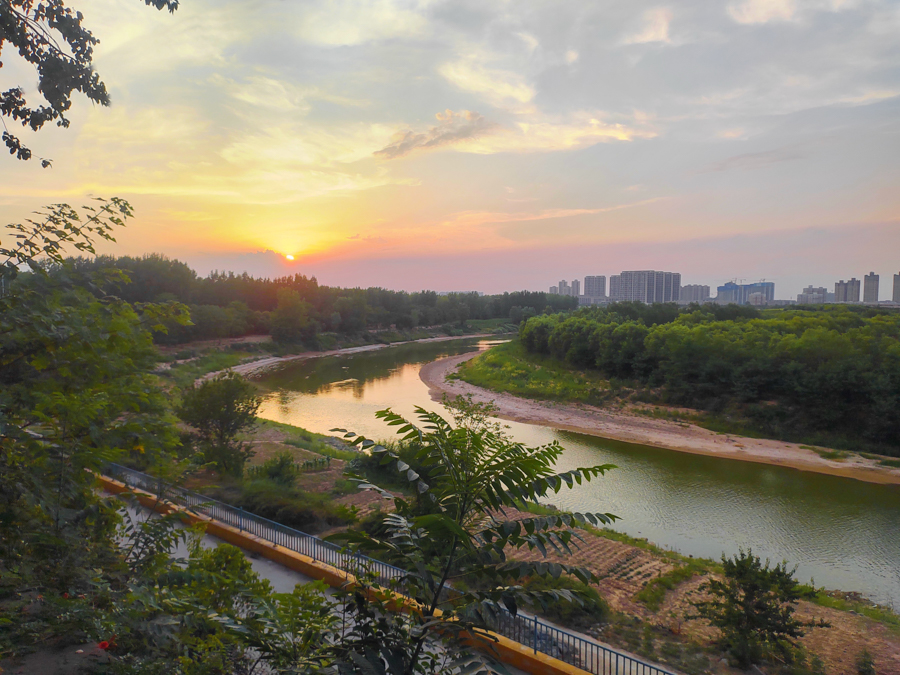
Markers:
(844, 534)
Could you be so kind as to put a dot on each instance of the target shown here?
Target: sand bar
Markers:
(631, 428)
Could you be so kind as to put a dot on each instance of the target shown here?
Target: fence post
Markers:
(535, 634)
(241, 518)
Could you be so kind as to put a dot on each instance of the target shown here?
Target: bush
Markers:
(592, 610)
(753, 608)
(280, 469)
(865, 663)
(220, 409)
(310, 512)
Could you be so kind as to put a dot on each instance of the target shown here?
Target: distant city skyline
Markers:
(851, 290)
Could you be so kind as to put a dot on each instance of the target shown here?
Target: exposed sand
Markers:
(624, 426)
(262, 366)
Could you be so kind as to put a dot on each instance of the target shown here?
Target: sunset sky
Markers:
(489, 145)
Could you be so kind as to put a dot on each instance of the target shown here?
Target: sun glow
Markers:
(289, 257)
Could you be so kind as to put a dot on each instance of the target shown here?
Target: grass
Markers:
(509, 368)
(184, 374)
(836, 600)
(653, 594)
(305, 440)
(837, 455)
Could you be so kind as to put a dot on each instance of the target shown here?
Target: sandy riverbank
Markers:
(631, 428)
(262, 366)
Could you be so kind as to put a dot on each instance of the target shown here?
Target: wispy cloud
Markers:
(470, 218)
(452, 127)
(495, 85)
(756, 160)
(762, 11)
(655, 27)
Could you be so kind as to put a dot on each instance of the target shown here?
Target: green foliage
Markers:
(653, 594)
(291, 322)
(587, 612)
(185, 374)
(280, 469)
(509, 368)
(463, 477)
(829, 375)
(865, 663)
(50, 37)
(220, 409)
(304, 510)
(74, 392)
(299, 313)
(753, 607)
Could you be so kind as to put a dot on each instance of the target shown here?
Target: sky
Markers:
(489, 145)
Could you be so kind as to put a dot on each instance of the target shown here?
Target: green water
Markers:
(843, 533)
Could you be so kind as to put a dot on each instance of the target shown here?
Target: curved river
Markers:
(844, 534)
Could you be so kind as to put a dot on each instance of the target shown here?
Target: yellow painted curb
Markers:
(504, 649)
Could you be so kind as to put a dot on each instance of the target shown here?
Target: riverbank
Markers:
(625, 426)
(262, 366)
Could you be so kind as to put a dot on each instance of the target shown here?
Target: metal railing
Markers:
(530, 631)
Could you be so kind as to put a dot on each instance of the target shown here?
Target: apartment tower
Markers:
(693, 293)
(870, 288)
(595, 287)
(847, 291)
(645, 286)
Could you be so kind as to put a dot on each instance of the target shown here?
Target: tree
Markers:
(753, 607)
(75, 390)
(291, 322)
(50, 37)
(220, 409)
(467, 476)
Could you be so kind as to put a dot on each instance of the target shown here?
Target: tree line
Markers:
(827, 374)
(296, 309)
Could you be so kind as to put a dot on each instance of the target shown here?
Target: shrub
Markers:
(280, 469)
(592, 610)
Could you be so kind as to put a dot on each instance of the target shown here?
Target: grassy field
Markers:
(508, 368)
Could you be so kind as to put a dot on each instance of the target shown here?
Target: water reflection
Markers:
(844, 533)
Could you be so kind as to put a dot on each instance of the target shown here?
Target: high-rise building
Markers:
(896, 297)
(813, 296)
(595, 287)
(847, 291)
(645, 286)
(870, 287)
(554, 290)
(693, 293)
(564, 288)
(576, 287)
(739, 294)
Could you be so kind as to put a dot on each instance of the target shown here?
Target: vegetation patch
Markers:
(836, 455)
(653, 594)
(183, 375)
(509, 368)
(588, 610)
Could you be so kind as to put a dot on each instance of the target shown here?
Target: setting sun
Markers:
(289, 257)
